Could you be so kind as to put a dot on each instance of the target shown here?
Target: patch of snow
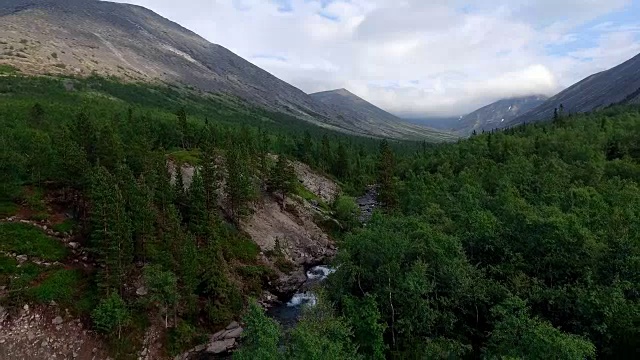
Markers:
(502, 120)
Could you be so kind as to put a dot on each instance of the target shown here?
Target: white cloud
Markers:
(416, 57)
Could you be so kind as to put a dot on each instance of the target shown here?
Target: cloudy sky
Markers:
(419, 58)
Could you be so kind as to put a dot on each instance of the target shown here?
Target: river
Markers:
(287, 314)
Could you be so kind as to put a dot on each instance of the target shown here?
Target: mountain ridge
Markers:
(615, 85)
(498, 113)
(368, 115)
(130, 42)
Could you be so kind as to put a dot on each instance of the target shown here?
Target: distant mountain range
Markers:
(620, 84)
(616, 85)
(497, 115)
(83, 37)
(362, 116)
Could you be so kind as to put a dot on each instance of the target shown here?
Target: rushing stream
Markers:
(287, 314)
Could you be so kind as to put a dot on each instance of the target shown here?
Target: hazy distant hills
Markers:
(616, 85)
(497, 114)
(81, 37)
(362, 116)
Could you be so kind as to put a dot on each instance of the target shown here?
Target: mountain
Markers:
(439, 123)
(84, 37)
(616, 85)
(361, 116)
(498, 114)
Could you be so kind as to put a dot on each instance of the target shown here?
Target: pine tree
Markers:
(110, 230)
(36, 116)
(183, 127)
(282, 178)
(189, 270)
(341, 166)
(199, 220)
(326, 156)
(210, 175)
(240, 187)
(387, 192)
(179, 190)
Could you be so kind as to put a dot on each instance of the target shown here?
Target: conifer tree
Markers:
(240, 187)
(198, 215)
(189, 270)
(210, 175)
(387, 192)
(282, 178)
(179, 190)
(110, 230)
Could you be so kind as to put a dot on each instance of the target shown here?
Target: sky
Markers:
(419, 58)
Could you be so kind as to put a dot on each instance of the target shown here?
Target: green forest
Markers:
(519, 244)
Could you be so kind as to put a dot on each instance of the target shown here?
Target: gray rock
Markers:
(233, 325)
(74, 245)
(26, 307)
(22, 258)
(57, 321)
(142, 291)
(221, 346)
(234, 333)
(217, 336)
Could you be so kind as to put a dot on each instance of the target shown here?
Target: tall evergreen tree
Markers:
(110, 230)
(282, 178)
(240, 187)
(198, 216)
(210, 175)
(387, 191)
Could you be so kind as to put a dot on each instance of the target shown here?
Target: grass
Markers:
(61, 286)
(15, 276)
(191, 157)
(7, 69)
(304, 193)
(7, 208)
(25, 239)
(65, 227)
(240, 248)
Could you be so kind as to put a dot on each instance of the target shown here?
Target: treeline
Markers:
(515, 244)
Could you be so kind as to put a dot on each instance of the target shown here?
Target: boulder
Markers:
(289, 283)
(142, 291)
(233, 333)
(221, 346)
(233, 325)
(57, 321)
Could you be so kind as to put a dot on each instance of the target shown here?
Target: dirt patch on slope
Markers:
(323, 187)
(47, 333)
(300, 239)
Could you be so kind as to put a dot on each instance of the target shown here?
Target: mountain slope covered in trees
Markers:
(92, 220)
(84, 37)
(515, 244)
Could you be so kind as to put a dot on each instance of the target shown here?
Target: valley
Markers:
(164, 198)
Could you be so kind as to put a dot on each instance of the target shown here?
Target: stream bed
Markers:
(287, 314)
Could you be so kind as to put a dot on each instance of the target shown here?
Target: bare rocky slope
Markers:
(83, 37)
(613, 86)
(497, 114)
(364, 116)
